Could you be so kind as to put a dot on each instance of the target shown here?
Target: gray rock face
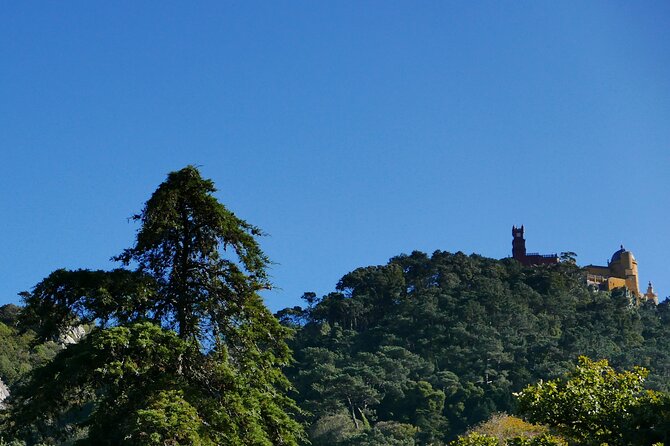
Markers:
(72, 335)
(4, 393)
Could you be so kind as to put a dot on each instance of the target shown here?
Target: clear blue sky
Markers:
(349, 131)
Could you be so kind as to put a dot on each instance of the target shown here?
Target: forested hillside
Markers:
(176, 347)
(419, 350)
(425, 346)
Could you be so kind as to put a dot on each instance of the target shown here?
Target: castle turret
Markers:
(624, 266)
(621, 271)
(650, 295)
(518, 244)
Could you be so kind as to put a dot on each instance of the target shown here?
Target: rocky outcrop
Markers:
(4, 393)
(72, 335)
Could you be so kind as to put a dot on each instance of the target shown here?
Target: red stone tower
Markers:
(518, 244)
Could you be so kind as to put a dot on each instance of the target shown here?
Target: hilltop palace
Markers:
(620, 272)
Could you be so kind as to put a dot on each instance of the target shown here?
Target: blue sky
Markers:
(349, 131)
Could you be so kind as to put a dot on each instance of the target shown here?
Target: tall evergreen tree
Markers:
(185, 352)
(182, 244)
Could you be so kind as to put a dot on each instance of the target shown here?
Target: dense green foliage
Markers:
(184, 352)
(18, 351)
(477, 439)
(440, 343)
(594, 405)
